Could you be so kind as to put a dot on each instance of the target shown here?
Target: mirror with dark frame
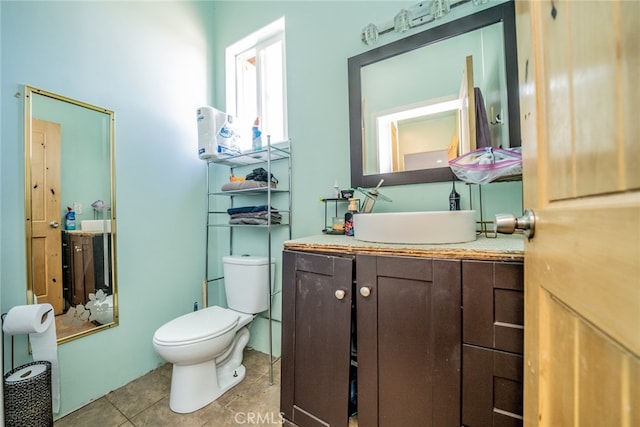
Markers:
(390, 83)
(70, 212)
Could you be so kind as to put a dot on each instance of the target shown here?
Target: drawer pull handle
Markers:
(365, 291)
(340, 294)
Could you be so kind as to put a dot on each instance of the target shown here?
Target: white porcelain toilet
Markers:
(206, 346)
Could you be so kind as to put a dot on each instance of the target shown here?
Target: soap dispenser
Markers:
(454, 199)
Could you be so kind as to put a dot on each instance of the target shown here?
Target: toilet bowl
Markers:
(206, 346)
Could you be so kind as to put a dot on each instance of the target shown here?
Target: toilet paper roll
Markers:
(26, 373)
(38, 320)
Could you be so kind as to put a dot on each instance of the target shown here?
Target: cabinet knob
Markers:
(365, 291)
(340, 294)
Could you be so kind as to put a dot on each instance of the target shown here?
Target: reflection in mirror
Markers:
(420, 101)
(70, 213)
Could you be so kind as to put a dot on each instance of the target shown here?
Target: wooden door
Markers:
(408, 337)
(46, 221)
(396, 165)
(579, 86)
(316, 334)
(467, 110)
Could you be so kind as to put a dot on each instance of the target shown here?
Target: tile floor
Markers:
(145, 402)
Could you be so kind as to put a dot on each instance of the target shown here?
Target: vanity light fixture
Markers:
(402, 21)
(439, 8)
(413, 16)
(370, 34)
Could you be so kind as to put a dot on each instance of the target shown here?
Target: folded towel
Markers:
(244, 185)
(251, 221)
(246, 209)
(263, 214)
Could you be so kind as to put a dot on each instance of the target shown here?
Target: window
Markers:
(256, 83)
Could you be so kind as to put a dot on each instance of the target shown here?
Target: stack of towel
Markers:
(245, 185)
(253, 215)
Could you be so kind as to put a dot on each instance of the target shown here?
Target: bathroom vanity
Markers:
(432, 334)
(85, 257)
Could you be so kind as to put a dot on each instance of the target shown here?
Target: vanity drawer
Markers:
(492, 383)
(493, 305)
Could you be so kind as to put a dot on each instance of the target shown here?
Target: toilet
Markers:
(206, 346)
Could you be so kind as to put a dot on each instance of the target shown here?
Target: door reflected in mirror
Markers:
(70, 212)
(416, 115)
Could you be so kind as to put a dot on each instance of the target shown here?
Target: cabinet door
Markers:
(316, 329)
(82, 269)
(67, 276)
(102, 262)
(409, 339)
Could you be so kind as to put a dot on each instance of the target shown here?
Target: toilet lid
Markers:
(197, 326)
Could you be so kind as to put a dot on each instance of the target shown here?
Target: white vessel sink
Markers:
(96, 225)
(416, 227)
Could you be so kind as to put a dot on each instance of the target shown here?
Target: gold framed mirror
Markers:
(70, 216)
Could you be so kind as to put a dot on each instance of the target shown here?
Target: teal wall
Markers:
(154, 63)
(320, 36)
(150, 63)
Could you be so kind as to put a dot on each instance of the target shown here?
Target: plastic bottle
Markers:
(348, 217)
(454, 199)
(70, 219)
(256, 141)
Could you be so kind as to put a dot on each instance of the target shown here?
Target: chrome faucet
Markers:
(372, 195)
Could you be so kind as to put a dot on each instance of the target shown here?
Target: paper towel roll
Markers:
(38, 320)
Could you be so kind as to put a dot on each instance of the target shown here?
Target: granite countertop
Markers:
(84, 232)
(503, 247)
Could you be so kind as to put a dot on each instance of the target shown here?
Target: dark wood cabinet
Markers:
(438, 342)
(408, 345)
(85, 268)
(491, 387)
(316, 319)
(493, 336)
(408, 331)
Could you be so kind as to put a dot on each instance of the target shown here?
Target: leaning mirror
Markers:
(70, 211)
(413, 102)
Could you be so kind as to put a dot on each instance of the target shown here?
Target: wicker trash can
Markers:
(27, 396)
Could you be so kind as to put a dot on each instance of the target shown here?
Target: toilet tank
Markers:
(246, 282)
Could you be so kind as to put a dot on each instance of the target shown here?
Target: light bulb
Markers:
(370, 34)
(402, 21)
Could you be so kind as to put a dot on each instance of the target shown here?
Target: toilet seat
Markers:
(196, 326)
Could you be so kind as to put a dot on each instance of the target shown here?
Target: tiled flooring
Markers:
(145, 402)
